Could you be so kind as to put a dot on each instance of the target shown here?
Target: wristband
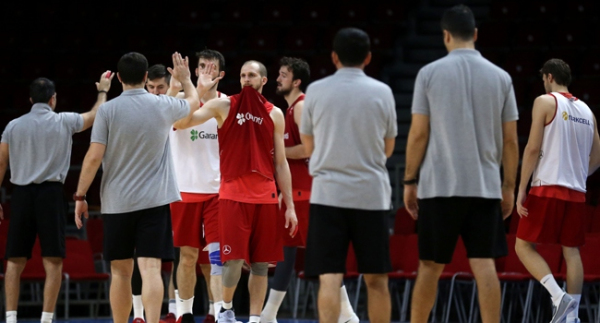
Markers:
(78, 198)
(409, 181)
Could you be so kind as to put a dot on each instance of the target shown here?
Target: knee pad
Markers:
(232, 271)
(216, 270)
(214, 255)
(260, 269)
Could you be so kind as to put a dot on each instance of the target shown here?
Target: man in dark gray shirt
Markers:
(348, 127)
(463, 129)
(38, 146)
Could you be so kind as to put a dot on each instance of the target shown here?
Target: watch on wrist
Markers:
(78, 198)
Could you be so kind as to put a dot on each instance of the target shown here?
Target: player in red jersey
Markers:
(251, 132)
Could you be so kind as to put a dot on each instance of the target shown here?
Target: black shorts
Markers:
(330, 231)
(477, 220)
(37, 210)
(143, 233)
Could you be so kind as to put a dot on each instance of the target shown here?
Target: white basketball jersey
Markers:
(195, 153)
(567, 144)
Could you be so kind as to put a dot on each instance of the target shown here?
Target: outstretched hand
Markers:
(181, 68)
(105, 81)
(205, 80)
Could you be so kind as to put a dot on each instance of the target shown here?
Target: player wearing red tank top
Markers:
(251, 132)
(564, 136)
(294, 76)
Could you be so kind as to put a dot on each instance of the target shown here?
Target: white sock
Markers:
(227, 305)
(211, 308)
(269, 313)
(254, 319)
(172, 307)
(571, 316)
(552, 286)
(184, 306)
(47, 317)
(11, 317)
(346, 310)
(138, 307)
(218, 306)
(177, 300)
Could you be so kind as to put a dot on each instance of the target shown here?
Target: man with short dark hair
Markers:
(38, 146)
(349, 128)
(130, 139)
(252, 157)
(195, 217)
(463, 129)
(562, 150)
(158, 79)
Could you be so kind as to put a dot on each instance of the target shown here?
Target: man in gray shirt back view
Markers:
(130, 139)
(349, 126)
(463, 129)
(38, 146)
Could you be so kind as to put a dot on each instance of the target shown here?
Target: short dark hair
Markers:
(459, 22)
(158, 71)
(132, 68)
(41, 90)
(212, 54)
(262, 69)
(352, 45)
(559, 69)
(299, 68)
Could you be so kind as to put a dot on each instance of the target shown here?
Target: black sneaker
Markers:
(186, 318)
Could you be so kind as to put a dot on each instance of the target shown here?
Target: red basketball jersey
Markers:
(301, 179)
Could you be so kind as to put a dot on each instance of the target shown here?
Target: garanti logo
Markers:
(584, 121)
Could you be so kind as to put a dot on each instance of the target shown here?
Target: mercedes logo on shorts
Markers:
(226, 249)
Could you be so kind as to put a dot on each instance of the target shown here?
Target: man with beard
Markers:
(252, 156)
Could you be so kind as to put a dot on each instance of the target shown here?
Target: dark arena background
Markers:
(72, 43)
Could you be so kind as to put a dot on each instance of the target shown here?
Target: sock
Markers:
(227, 305)
(172, 306)
(254, 319)
(555, 291)
(47, 317)
(138, 307)
(11, 317)
(211, 308)
(346, 310)
(218, 306)
(571, 316)
(269, 313)
(184, 306)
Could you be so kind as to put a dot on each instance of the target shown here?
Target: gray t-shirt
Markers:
(349, 114)
(467, 99)
(39, 145)
(137, 166)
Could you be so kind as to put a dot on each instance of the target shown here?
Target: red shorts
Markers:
(249, 231)
(552, 220)
(299, 240)
(195, 224)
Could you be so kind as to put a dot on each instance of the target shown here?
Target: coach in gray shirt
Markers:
(131, 139)
(349, 127)
(463, 128)
(38, 146)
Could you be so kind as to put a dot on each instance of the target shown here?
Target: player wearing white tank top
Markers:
(195, 152)
(562, 150)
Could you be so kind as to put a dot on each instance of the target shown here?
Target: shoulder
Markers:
(319, 84)
(545, 102)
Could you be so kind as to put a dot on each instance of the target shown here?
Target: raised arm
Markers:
(216, 108)
(298, 151)
(91, 163)
(282, 170)
(543, 111)
(103, 86)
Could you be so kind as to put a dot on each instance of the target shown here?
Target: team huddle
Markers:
(228, 181)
